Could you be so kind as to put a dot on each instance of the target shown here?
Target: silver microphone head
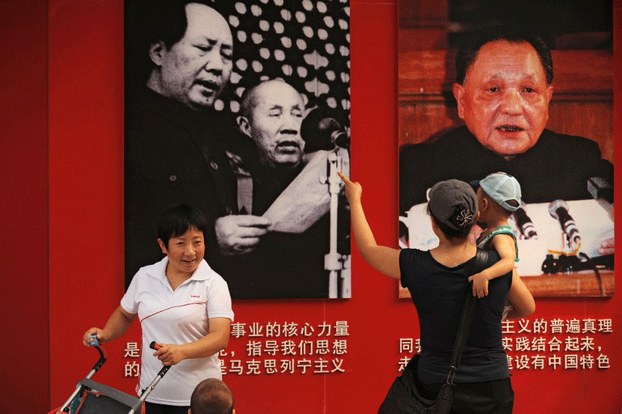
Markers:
(555, 205)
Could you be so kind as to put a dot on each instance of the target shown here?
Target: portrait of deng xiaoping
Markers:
(487, 88)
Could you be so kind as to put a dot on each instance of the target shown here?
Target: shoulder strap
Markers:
(481, 259)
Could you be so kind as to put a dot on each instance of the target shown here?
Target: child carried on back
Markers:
(498, 196)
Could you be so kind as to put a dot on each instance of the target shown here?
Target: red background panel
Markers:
(24, 205)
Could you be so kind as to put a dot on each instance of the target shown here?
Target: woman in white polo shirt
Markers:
(183, 305)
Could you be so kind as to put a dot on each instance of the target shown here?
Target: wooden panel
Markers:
(420, 121)
(581, 284)
(583, 72)
(590, 119)
(424, 73)
(422, 39)
(422, 13)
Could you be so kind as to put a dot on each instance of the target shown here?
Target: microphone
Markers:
(524, 223)
(558, 209)
(322, 131)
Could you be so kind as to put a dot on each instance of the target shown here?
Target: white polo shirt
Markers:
(176, 317)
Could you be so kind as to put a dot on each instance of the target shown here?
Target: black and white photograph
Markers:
(242, 110)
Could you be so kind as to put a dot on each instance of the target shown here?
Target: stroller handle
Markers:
(101, 360)
(86, 385)
(143, 396)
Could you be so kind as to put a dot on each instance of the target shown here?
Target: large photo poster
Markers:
(241, 109)
(486, 88)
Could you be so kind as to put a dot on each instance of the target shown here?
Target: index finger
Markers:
(343, 177)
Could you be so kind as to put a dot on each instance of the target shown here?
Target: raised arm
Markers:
(382, 258)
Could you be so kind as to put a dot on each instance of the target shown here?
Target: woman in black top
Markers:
(437, 281)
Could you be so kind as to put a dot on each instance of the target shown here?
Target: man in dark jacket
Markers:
(175, 142)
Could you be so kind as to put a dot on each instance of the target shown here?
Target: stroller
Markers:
(91, 397)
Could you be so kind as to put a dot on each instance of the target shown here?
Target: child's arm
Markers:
(520, 298)
(504, 245)
(381, 258)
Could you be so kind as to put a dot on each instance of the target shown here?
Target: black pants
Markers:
(488, 397)
(151, 408)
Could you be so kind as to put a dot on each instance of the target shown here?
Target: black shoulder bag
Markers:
(403, 396)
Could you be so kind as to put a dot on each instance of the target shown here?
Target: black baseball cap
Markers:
(453, 203)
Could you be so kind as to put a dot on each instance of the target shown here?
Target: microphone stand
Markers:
(323, 131)
(336, 264)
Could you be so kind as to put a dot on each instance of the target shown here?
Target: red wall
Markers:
(81, 226)
(24, 205)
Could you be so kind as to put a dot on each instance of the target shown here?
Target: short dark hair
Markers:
(469, 48)
(148, 22)
(179, 219)
(162, 20)
(248, 100)
(211, 396)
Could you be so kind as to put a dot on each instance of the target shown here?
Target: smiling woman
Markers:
(182, 240)
(183, 304)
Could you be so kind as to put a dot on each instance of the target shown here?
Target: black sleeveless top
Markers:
(438, 293)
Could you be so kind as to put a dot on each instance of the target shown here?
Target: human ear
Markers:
(458, 91)
(485, 204)
(156, 52)
(549, 96)
(549, 93)
(162, 247)
(244, 124)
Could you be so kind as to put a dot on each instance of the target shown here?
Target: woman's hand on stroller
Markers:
(169, 354)
(100, 334)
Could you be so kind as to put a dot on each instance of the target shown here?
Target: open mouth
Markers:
(288, 147)
(210, 87)
(509, 128)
